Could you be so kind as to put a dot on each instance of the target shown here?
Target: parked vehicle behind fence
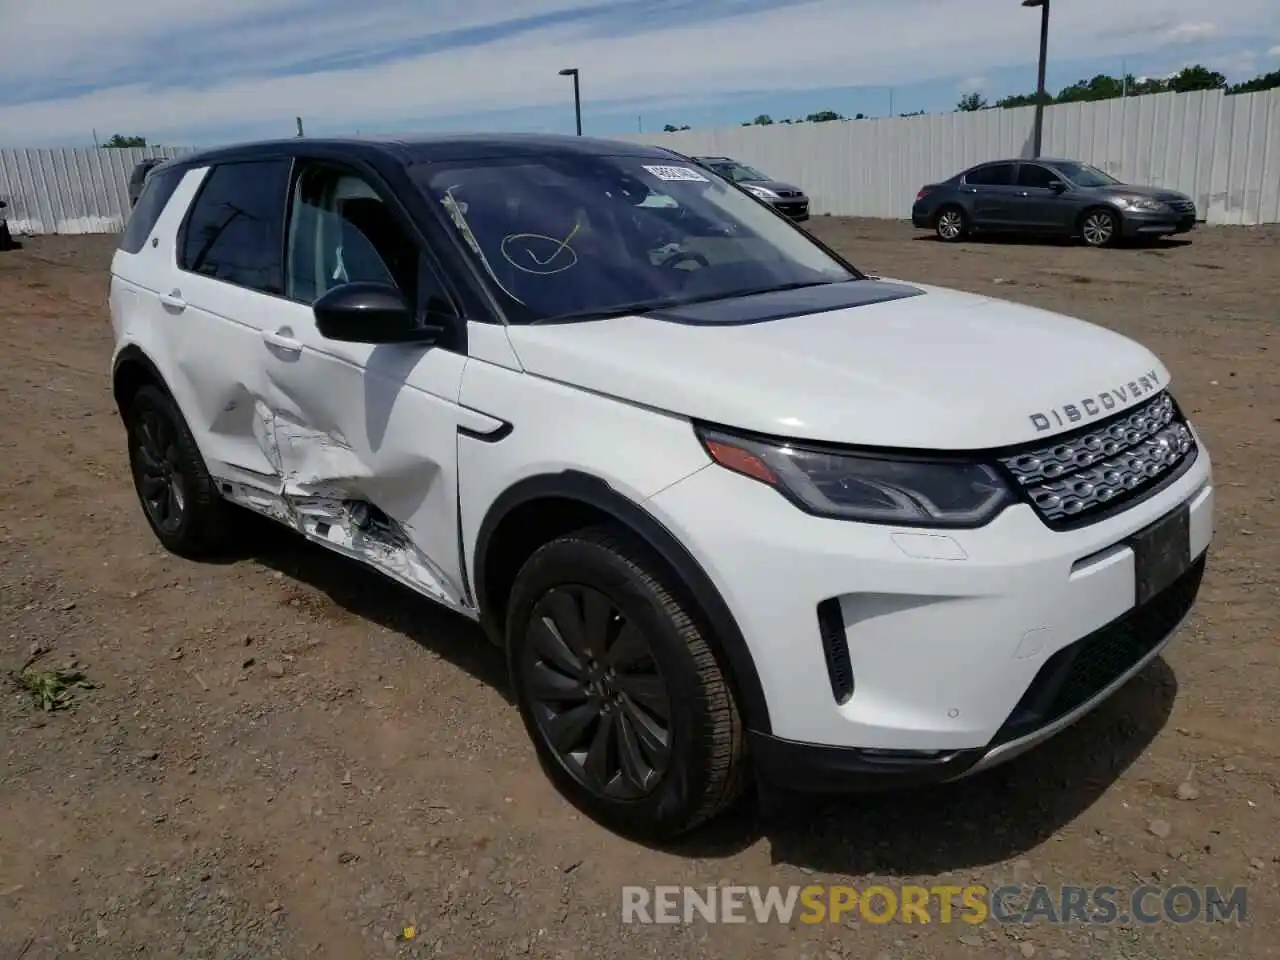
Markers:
(786, 198)
(1063, 198)
(138, 178)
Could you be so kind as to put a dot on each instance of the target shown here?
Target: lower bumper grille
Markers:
(1079, 672)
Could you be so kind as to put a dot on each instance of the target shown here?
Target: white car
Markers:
(731, 507)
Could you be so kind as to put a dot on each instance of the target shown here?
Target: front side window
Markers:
(341, 231)
(1085, 175)
(573, 237)
(234, 231)
(1034, 175)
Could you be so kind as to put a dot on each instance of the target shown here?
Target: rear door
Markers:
(226, 289)
(993, 194)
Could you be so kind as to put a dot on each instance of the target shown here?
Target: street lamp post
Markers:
(577, 95)
(1044, 54)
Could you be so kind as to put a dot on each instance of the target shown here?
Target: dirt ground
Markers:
(284, 756)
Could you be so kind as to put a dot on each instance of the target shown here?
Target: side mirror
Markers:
(365, 312)
(3, 204)
(1057, 186)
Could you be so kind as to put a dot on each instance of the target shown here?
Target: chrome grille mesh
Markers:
(1080, 473)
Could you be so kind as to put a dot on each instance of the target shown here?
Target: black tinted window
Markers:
(1034, 175)
(235, 230)
(993, 175)
(143, 217)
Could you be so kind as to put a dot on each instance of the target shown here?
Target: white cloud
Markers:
(124, 49)
(1274, 51)
(1189, 32)
(972, 84)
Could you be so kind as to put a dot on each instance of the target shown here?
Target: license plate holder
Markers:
(1161, 553)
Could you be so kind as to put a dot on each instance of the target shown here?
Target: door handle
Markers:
(1023, 193)
(280, 342)
(173, 301)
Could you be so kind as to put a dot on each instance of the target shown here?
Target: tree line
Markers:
(1105, 87)
(1101, 87)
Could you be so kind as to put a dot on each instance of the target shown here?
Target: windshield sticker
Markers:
(677, 173)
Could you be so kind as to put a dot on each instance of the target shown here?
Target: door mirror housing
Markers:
(1057, 186)
(3, 204)
(367, 312)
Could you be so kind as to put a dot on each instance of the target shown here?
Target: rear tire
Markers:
(629, 712)
(951, 224)
(178, 498)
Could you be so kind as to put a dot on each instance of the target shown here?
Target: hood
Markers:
(928, 369)
(777, 186)
(1127, 189)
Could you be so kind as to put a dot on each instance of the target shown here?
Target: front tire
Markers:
(629, 712)
(179, 500)
(1099, 227)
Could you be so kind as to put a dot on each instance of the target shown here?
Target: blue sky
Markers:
(198, 72)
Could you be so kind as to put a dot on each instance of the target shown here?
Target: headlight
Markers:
(1142, 203)
(764, 193)
(911, 491)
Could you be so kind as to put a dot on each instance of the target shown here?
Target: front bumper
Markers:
(960, 643)
(794, 209)
(1140, 223)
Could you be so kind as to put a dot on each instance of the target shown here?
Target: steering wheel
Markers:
(684, 257)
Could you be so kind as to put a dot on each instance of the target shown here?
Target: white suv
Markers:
(729, 505)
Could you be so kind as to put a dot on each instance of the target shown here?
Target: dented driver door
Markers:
(365, 435)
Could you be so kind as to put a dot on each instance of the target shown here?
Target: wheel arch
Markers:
(541, 507)
(131, 370)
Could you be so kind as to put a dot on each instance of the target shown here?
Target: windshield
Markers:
(1084, 175)
(737, 172)
(577, 237)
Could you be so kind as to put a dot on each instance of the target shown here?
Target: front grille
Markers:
(790, 193)
(1079, 672)
(1081, 474)
(1183, 206)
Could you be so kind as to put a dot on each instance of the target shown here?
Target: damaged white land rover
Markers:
(731, 507)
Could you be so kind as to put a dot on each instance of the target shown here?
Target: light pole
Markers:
(1044, 54)
(577, 95)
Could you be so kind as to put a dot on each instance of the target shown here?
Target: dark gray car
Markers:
(784, 197)
(1049, 197)
(138, 179)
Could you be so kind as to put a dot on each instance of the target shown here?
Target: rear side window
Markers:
(992, 175)
(150, 205)
(235, 231)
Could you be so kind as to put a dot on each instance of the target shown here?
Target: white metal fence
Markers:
(1222, 150)
(70, 190)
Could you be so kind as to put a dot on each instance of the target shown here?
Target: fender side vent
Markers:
(835, 648)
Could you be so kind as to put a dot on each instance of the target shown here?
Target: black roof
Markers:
(428, 149)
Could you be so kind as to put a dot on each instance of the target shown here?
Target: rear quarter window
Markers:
(142, 219)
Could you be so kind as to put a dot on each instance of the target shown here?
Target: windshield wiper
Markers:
(608, 313)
